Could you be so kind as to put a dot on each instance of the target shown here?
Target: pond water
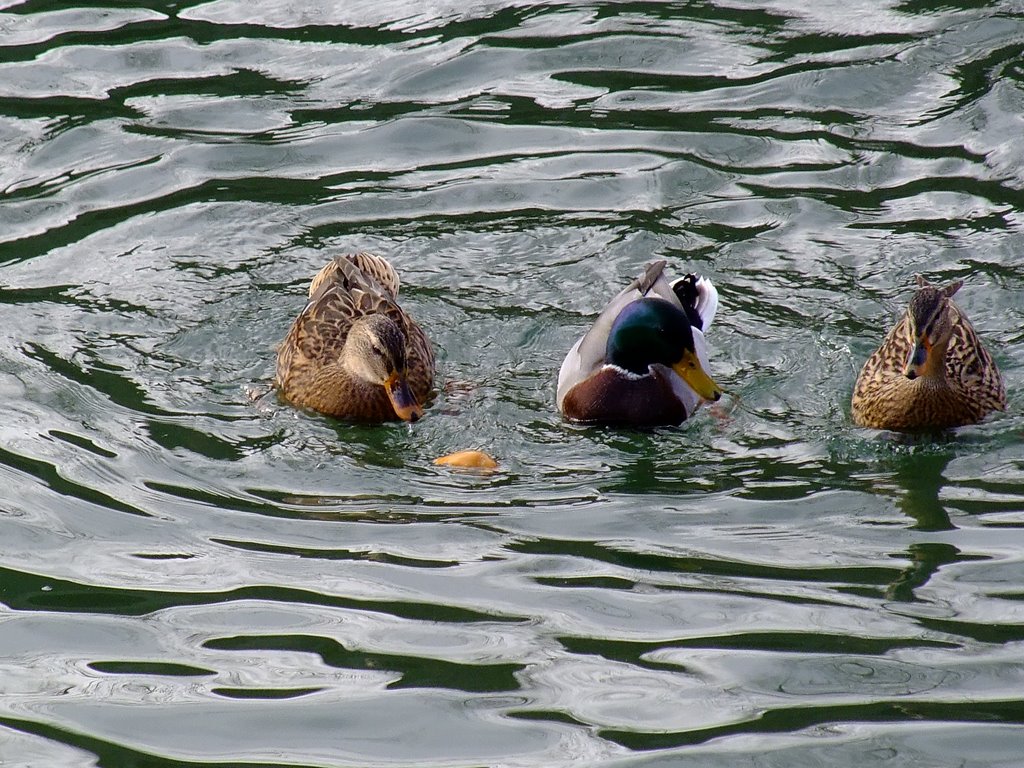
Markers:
(192, 578)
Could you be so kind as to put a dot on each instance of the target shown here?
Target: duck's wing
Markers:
(318, 334)
(587, 354)
(887, 361)
(970, 365)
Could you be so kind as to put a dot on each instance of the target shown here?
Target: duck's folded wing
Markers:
(971, 366)
(379, 269)
(654, 282)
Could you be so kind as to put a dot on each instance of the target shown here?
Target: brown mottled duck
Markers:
(931, 372)
(352, 352)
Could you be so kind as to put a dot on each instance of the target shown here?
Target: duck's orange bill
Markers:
(401, 398)
(692, 372)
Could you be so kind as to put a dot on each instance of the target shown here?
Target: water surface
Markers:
(190, 577)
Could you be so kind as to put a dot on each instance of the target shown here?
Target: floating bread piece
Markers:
(468, 459)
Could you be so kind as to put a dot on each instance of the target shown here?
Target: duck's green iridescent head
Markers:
(650, 331)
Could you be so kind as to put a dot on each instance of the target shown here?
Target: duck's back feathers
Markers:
(358, 269)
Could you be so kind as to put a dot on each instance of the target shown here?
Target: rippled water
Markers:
(192, 578)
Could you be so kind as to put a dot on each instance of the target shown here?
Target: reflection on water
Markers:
(193, 576)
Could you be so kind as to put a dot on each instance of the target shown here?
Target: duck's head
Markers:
(650, 331)
(931, 327)
(375, 352)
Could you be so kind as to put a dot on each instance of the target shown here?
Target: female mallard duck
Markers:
(352, 352)
(643, 362)
(931, 372)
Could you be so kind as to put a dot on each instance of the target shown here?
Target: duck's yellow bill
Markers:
(401, 398)
(692, 372)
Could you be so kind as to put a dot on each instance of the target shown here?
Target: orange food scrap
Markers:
(468, 459)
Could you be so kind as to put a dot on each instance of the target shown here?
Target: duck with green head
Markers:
(644, 361)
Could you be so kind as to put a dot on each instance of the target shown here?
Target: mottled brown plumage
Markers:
(931, 372)
(368, 264)
(353, 352)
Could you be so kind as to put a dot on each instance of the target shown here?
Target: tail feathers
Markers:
(699, 299)
(355, 269)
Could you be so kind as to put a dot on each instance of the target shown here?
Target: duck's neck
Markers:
(932, 383)
(932, 401)
(933, 373)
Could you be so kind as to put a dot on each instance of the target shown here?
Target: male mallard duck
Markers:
(352, 352)
(643, 361)
(931, 372)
